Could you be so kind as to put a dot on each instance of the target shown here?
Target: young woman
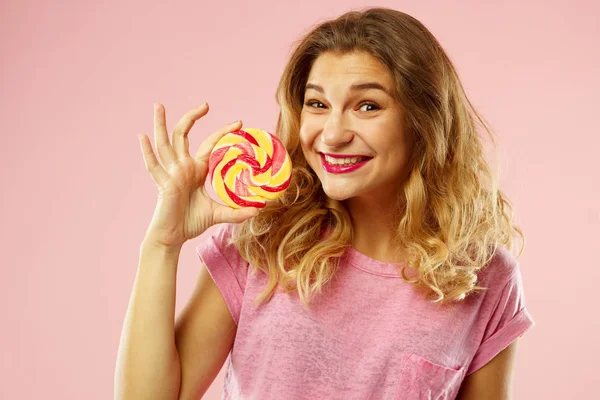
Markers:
(384, 272)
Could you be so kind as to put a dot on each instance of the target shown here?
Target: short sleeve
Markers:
(508, 321)
(226, 267)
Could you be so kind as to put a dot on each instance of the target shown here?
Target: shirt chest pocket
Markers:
(421, 379)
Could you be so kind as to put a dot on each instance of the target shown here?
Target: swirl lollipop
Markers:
(249, 166)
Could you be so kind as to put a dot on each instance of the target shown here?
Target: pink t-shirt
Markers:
(369, 335)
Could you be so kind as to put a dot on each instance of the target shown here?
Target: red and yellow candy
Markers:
(249, 166)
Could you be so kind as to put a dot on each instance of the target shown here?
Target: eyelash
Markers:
(310, 102)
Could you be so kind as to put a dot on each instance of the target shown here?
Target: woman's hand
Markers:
(184, 210)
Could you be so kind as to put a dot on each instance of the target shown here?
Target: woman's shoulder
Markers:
(218, 236)
(222, 232)
(501, 269)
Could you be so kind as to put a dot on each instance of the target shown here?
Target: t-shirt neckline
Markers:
(368, 264)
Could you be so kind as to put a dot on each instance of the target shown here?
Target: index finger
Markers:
(207, 145)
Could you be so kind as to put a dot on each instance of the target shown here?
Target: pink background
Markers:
(78, 81)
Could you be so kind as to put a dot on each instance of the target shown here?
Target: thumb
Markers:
(227, 214)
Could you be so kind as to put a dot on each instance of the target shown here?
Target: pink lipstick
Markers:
(341, 169)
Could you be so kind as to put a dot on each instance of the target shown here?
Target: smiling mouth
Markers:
(344, 162)
(336, 165)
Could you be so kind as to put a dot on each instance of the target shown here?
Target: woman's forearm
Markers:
(148, 363)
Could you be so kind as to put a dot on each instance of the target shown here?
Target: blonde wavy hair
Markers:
(452, 215)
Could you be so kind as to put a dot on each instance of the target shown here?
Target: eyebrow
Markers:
(354, 88)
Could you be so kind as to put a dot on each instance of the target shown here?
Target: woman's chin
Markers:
(339, 194)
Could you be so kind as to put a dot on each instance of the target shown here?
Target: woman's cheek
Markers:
(306, 137)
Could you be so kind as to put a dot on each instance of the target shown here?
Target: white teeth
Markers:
(343, 161)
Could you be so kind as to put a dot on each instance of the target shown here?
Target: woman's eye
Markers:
(318, 104)
(310, 103)
(375, 107)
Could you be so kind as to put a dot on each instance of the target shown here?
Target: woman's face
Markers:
(352, 130)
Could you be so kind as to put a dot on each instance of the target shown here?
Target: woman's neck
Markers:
(374, 225)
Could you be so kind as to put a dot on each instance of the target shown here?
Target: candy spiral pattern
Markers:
(249, 166)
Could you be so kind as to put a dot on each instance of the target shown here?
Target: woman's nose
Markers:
(334, 133)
